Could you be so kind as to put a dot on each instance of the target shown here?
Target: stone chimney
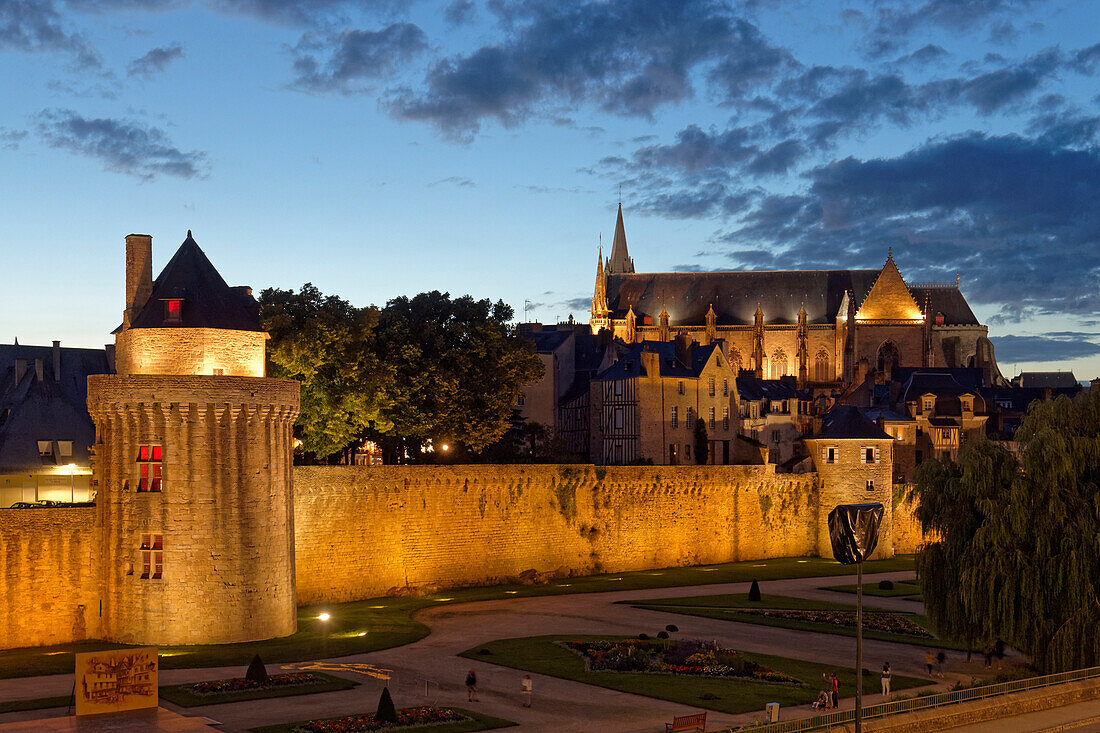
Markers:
(683, 343)
(651, 363)
(139, 275)
(20, 370)
(57, 361)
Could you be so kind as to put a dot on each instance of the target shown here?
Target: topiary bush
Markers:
(387, 713)
(257, 672)
(643, 636)
(673, 628)
(886, 585)
(662, 634)
(754, 591)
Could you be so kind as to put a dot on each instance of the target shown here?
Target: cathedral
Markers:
(825, 328)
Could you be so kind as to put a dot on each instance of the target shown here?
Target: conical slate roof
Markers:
(207, 301)
(620, 261)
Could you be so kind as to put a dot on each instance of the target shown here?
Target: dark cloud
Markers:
(1062, 127)
(777, 159)
(303, 12)
(459, 12)
(895, 21)
(155, 61)
(1063, 347)
(10, 139)
(991, 91)
(454, 181)
(578, 304)
(35, 26)
(924, 56)
(355, 57)
(122, 146)
(1086, 60)
(629, 57)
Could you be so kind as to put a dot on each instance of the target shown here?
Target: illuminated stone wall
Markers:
(49, 571)
(908, 536)
(190, 351)
(224, 512)
(363, 532)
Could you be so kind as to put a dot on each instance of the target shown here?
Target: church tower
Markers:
(193, 463)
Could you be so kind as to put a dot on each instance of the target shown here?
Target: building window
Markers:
(928, 404)
(45, 449)
(831, 455)
(150, 468)
(710, 386)
(680, 387)
(674, 418)
(725, 388)
(687, 419)
(65, 448)
(869, 454)
(617, 388)
(618, 418)
(172, 309)
(152, 556)
(870, 484)
(725, 418)
(775, 436)
(712, 422)
(945, 435)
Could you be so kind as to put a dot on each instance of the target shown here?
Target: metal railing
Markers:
(925, 702)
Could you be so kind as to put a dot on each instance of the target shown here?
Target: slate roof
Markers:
(941, 383)
(1018, 398)
(630, 365)
(48, 410)
(943, 422)
(881, 413)
(753, 389)
(207, 301)
(1061, 380)
(546, 341)
(967, 377)
(735, 296)
(847, 422)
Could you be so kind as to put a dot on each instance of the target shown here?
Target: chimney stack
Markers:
(20, 370)
(139, 275)
(57, 361)
(684, 344)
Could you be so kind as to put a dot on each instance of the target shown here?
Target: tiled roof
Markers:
(207, 301)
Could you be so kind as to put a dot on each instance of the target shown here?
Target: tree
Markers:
(702, 442)
(1018, 551)
(328, 345)
(458, 368)
(386, 712)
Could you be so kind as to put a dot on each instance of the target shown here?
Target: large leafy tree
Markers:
(329, 346)
(458, 367)
(1018, 550)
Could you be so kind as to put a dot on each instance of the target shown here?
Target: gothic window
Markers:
(821, 366)
(735, 359)
(888, 357)
(779, 364)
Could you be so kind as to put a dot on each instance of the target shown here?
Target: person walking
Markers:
(836, 690)
(929, 660)
(528, 686)
(941, 662)
(885, 676)
(471, 686)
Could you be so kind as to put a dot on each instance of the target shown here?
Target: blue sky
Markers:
(384, 147)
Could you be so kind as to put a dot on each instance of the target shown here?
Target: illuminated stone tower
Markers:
(193, 463)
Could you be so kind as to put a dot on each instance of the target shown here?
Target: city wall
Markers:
(363, 531)
(49, 569)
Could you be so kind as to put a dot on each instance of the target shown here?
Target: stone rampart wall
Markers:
(908, 536)
(49, 570)
(369, 531)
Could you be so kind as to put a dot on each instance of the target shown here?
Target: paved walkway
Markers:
(429, 672)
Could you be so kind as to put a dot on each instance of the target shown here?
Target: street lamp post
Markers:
(323, 618)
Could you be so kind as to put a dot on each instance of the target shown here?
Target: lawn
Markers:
(38, 703)
(727, 607)
(901, 589)
(380, 623)
(542, 655)
(184, 696)
(478, 722)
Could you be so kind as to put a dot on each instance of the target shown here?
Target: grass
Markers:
(542, 655)
(388, 622)
(726, 607)
(477, 722)
(183, 696)
(901, 590)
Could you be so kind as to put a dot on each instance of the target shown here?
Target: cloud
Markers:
(923, 56)
(897, 20)
(122, 146)
(1063, 347)
(355, 57)
(34, 26)
(628, 58)
(459, 12)
(155, 61)
(10, 139)
(454, 181)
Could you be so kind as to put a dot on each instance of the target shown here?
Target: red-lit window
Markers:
(172, 310)
(150, 469)
(152, 556)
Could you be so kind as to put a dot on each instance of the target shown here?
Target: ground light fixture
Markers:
(323, 617)
(853, 531)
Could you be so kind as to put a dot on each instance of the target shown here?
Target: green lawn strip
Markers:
(899, 590)
(39, 703)
(388, 622)
(183, 696)
(540, 654)
(731, 614)
(741, 600)
(477, 722)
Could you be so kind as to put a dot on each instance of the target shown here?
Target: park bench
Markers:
(683, 723)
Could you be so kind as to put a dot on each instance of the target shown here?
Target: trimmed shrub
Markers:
(257, 672)
(387, 713)
(662, 634)
(643, 636)
(886, 585)
(754, 591)
(672, 628)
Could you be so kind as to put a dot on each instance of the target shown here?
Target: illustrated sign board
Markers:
(116, 680)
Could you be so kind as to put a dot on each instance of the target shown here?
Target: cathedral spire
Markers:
(620, 261)
(600, 309)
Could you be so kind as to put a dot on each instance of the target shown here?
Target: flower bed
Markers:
(890, 623)
(238, 684)
(406, 718)
(673, 657)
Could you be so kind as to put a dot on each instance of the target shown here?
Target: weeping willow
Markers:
(1017, 555)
